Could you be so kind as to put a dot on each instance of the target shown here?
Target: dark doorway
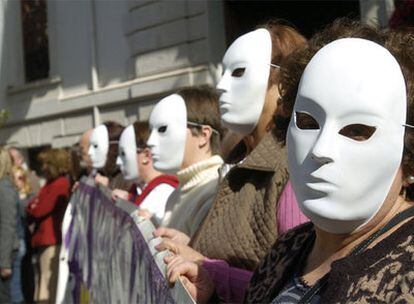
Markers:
(307, 16)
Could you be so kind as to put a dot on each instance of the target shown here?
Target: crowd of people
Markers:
(290, 182)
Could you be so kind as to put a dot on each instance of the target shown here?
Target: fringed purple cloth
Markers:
(109, 259)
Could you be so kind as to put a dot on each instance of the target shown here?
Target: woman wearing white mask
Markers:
(151, 188)
(248, 213)
(103, 151)
(350, 151)
(185, 139)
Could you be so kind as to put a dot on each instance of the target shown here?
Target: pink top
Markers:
(288, 214)
(231, 282)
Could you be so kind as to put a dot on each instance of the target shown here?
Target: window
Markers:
(35, 39)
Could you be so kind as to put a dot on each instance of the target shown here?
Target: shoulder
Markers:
(268, 276)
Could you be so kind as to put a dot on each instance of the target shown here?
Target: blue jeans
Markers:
(15, 282)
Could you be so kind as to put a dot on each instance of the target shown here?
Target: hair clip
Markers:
(197, 125)
(274, 65)
(113, 142)
(408, 126)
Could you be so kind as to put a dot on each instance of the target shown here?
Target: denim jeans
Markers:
(15, 282)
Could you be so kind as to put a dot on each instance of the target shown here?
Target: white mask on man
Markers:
(99, 146)
(244, 81)
(346, 135)
(168, 124)
(127, 154)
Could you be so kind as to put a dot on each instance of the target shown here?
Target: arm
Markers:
(230, 282)
(8, 218)
(45, 202)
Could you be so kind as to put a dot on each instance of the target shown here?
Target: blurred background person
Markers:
(151, 188)
(47, 209)
(85, 163)
(23, 263)
(9, 223)
(19, 161)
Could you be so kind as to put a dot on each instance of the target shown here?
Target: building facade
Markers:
(109, 60)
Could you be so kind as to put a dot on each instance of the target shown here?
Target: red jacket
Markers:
(48, 208)
(161, 179)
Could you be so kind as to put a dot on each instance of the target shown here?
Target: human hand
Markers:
(144, 213)
(75, 186)
(118, 193)
(194, 277)
(5, 273)
(100, 179)
(185, 251)
(172, 234)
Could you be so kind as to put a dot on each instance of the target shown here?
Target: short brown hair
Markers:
(114, 132)
(54, 162)
(285, 40)
(399, 44)
(141, 130)
(203, 108)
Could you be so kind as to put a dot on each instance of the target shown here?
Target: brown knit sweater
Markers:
(241, 224)
(382, 274)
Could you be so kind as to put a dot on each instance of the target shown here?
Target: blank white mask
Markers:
(244, 81)
(345, 138)
(99, 146)
(168, 124)
(127, 154)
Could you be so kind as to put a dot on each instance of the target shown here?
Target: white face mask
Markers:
(127, 154)
(99, 146)
(168, 124)
(244, 82)
(346, 135)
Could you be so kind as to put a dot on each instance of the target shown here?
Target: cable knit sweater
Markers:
(189, 203)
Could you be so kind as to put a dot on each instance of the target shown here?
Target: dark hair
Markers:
(141, 130)
(54, 162)
(203, 108)
(114, 132)
(399, 44)
(285, 40)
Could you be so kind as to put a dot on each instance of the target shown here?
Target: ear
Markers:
(146, 156)
(204, 136)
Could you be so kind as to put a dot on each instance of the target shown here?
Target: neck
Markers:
(148, 175)
(330, 246)
(203, 155)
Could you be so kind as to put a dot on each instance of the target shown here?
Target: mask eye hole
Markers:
(239, 72)
(358, 132)
(162, 129)
(95, 146)
(305, 121)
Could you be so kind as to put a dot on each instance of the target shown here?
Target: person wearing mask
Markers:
(245, 218)
(185, 139)
(350, 149)
(151, 188)
(103, 151)
(47, 209)
(9, 242)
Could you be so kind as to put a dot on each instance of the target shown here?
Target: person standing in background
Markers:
(24, 256)
(8, 223)
(19, 161)
(47, 209)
